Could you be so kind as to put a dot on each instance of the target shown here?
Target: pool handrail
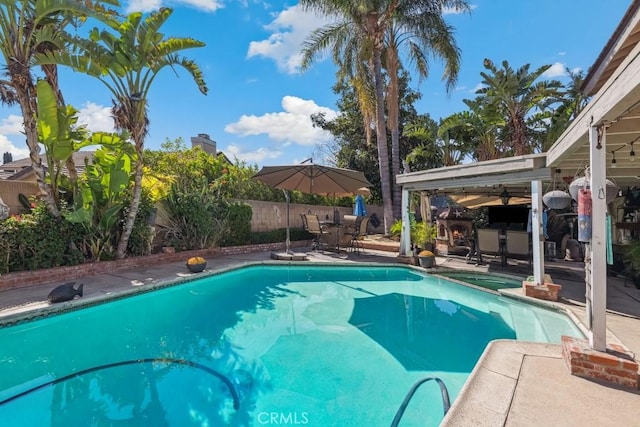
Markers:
(446, 402)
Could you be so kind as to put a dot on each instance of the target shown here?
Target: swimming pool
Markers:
(310, 345)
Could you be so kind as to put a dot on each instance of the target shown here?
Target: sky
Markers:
(259, 102)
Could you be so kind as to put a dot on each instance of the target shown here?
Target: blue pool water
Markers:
(292, 345)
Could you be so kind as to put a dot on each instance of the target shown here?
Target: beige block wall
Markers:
(269, 216)
(266, 216)
(9, 191)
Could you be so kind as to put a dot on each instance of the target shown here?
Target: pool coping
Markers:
(486, 396)
(23, 313)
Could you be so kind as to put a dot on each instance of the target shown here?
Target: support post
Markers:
(287, 243)
(537, 239)
(597, 296)
(405, 235)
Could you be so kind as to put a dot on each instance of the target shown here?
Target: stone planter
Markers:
(427, 261)
(197, 268)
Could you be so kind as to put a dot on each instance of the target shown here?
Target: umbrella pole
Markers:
(287, 243)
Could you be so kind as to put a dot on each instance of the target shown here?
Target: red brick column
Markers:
(616, 365)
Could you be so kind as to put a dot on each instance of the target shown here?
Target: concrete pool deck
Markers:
(515, 383)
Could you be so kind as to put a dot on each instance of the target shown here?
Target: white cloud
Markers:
(477, 88)
(456, 11)
(289, 30)
(149, 5)
(16, 145)
(576, 70)
(12, 125)
(459, 88)
(562, 53)
(256, 156)
(8, 145)
(293, 125)
(143, 5)
(558, 69)
(96, 117)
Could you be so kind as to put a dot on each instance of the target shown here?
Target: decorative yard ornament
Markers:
(4, 210)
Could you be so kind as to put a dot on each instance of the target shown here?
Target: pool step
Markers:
(527, 325)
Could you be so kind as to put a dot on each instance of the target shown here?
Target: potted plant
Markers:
(632, 262)
(424, 236)
(196, 264)
(427, 259)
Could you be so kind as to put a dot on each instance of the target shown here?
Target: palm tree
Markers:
(572, 102)
(516, 95)
(481, 125)
(26, 28)
(127, 62)
(423, 32)
(359, 34)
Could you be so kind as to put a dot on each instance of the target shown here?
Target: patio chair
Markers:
(487, 242)
(314, 228)
(518, 244)
(360, 230)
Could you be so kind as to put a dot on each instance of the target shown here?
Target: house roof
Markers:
(21, 167)
(621, 42)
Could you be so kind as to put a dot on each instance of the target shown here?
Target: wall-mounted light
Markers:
(613, 160)
(505, 196)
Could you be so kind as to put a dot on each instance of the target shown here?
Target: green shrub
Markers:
(239, 225)
(38, 240)
(280, 235)
(197, 219)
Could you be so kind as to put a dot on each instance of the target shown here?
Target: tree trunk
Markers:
(381, 136)
(135, 203)
(519, 135)
(31, 133)
(393, 106)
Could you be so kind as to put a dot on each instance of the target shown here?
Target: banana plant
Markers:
(103, 192)
(98, 197)
(60, 134)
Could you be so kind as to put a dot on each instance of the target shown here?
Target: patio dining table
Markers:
(335, 235)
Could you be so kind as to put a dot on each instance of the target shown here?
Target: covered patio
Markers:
(599, 144)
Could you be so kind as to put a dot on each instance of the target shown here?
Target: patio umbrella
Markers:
(359, 209)
(312, 179)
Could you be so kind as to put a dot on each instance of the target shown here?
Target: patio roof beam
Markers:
(478, 180)
(499, 166)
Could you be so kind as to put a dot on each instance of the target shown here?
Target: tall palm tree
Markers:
(359, 31)
(423, 32)
(127, 62)
(517, 94)
(26, 28)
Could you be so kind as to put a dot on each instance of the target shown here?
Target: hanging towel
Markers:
(609, 242)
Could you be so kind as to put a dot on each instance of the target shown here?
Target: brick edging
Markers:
(22, 279)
